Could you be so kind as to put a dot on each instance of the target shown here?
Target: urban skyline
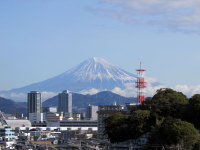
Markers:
(53, 36)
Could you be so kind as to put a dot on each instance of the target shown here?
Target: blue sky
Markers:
(40, 39)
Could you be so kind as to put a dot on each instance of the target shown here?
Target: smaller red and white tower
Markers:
(140, 84)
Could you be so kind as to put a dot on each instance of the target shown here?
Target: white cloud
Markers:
(124, 92)
(45, 95)
(2, 95)
(151, 90)
(181, 15)
(91, 91)
(18, 95)
(188, 90)
(131, 91)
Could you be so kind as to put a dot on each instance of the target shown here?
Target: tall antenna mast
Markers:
(140, 84)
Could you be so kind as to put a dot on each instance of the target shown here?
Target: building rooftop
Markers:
(18, 123)
(42, 142)
(34, 92)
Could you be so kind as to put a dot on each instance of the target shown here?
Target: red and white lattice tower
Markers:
(140, 84)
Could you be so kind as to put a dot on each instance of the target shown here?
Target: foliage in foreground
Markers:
(168, 115)
(120, 127)
(175, 132)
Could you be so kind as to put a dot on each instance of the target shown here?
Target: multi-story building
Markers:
(76, 116)
(35, 107)
(104, 112)
(91, 113)
(36, 117)
(65, 103)
(34, 102)
(7, 138)
(47, 110)
(7, 134)
(53, 119)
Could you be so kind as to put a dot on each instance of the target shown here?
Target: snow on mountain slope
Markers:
(94, 73)
(98, 69)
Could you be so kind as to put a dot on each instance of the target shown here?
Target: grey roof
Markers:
(18, 123)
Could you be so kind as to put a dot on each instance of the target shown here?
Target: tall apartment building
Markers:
(34, 102)
(104, 112)
(91, 113)
(34, 107)
(65, 103)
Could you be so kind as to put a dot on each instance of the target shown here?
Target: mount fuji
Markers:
(94, 73)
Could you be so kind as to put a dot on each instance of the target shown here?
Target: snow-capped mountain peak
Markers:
(99, 69)
(94, 73)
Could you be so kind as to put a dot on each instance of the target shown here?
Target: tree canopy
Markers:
(115, 127)
(168, 115)
(175, 131)
(194, 110)
(128, 127)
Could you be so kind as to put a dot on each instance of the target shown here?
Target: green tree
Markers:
(140, 123)
(194, 110)
(175, 132)
(130, 127)
(161, 115)
(167, 102)
(196, 146)
(115, 127)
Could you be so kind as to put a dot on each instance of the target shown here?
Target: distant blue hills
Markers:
(79, 102)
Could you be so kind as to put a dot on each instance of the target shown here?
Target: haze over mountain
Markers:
(94, 73)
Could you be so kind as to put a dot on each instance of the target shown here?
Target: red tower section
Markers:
(140, 84)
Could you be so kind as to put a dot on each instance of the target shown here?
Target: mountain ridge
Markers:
(105, 76)
(94, 73)
(79, 102)
(11, 106)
